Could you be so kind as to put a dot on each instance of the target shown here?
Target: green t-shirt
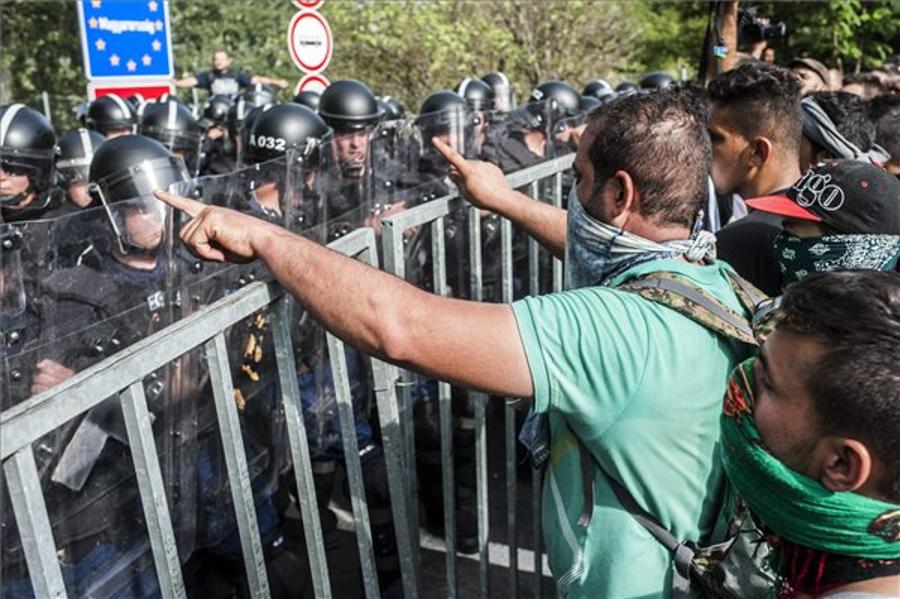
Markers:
(641, 386)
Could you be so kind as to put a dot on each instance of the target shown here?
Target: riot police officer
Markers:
(217, 148)
(504, 97)
(627, 87)
(308, 98)
(284, 143)
(92, 314)
(111, 116)
(27, 152)
(171, 123)
(596, 88)
(74, 153)
(363, 177)
(392, 107)
(656, 81)
(561, 107)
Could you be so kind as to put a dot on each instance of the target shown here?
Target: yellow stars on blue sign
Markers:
(131, 65)
(114, 60)
(96, 3)
(152, 5)
(92, 22)
(157, 46)
(101, 44)
(146, 60)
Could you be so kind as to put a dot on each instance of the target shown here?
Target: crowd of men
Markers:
(686, 208)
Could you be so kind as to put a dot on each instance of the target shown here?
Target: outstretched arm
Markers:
(469, 344)
(268, 81)
(186, 82)
(484, 185)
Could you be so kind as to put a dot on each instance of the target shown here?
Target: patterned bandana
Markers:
(796, 507)
(596, 252)
(799, 256)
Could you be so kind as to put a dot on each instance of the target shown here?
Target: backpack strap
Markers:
(689, 299)
(682, 551)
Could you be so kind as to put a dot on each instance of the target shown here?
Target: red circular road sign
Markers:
(312, 83)
(309, 40)
(309, 4)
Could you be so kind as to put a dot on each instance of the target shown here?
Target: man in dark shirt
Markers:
(755, 126)
(221, 80)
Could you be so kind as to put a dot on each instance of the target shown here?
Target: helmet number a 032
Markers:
(268, 142)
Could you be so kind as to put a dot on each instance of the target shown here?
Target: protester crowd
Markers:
(714, 396)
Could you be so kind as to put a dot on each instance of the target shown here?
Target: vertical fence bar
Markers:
(392, 439)
(480, 404)
(33, 523)
(509, 420)
(236, 463)
(152, 490)
(536, 490)
(534, 253)
(445, 409)
(557, 263)
(306, 489)
(351, 462)
(394, 262)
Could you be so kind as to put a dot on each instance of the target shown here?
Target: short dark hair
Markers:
(855, 383)
(870, 82)
(763, 100)
(887, 134)
(848, 113)
(660, 139)
(879, 106)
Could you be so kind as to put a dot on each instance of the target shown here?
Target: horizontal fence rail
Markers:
(123, 373)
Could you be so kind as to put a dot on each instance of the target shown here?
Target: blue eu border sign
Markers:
(124, 40)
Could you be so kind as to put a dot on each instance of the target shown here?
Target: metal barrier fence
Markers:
(123, 373)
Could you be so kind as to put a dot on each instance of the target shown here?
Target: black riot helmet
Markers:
(27, 147)
(132, 166)
(588, 103)
(124, 174)
(596, 88)
(626, 87)
(477, 94)
(559, 98)
(215, 111)
(444, 114)
(392, 107)
(74, 152)
(259, 94)
(349, 104)
(503, 92)
(308, 98)
(172, 124)
(135, 101)
(110, 114)
(657, 81)
(247, 127)
(282, 128)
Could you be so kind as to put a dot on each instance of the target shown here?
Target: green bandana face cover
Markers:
(794, 506)
(799, 256)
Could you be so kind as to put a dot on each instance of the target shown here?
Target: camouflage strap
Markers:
(688, 299)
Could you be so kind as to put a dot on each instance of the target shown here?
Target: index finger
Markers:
(190, 207)
(452, 156)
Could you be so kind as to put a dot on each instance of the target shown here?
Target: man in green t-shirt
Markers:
(637, 383)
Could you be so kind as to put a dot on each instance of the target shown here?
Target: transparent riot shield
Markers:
(87, 314)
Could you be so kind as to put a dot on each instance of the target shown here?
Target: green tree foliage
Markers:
(409, 48)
